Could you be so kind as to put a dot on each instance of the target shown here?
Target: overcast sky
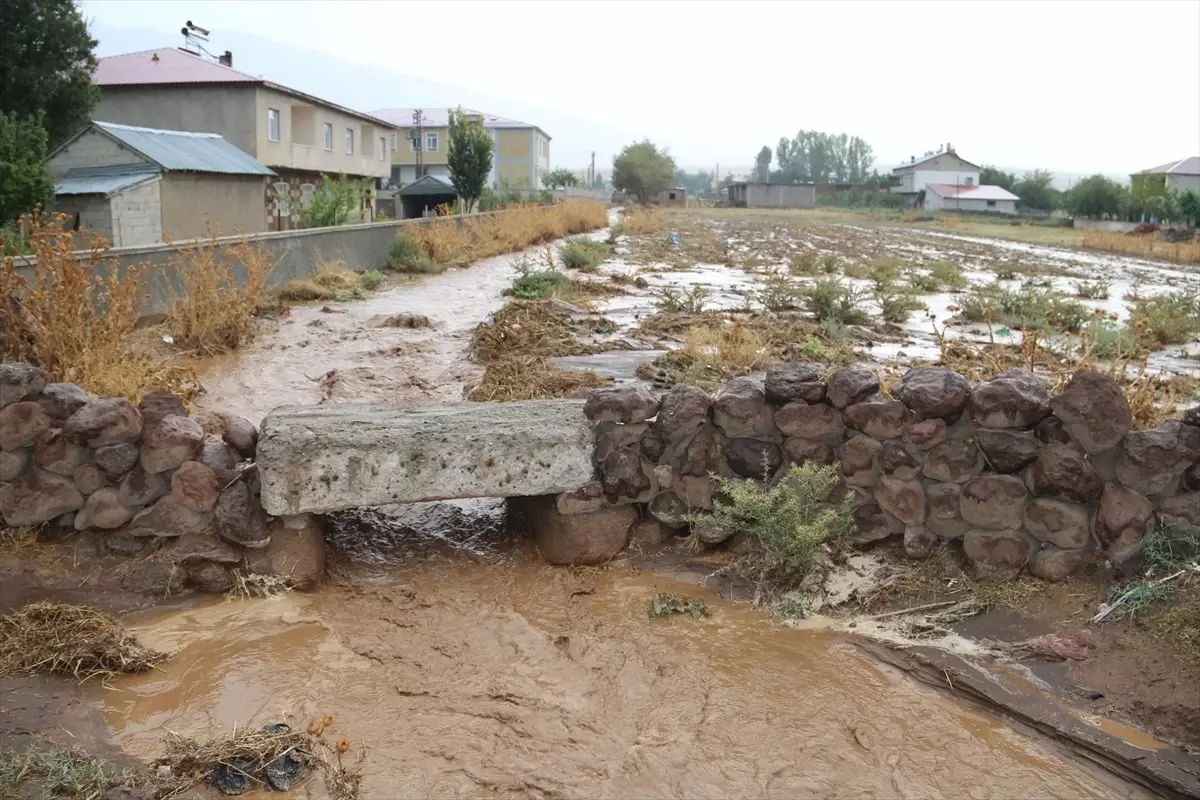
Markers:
(1073, 86)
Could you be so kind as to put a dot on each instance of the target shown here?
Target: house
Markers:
(943, 167)
(140, 186)
(520, 157)
(423, 196)
(298, 136)
(958, 197)
(754, 194)
(673, 197)
(1177, 176)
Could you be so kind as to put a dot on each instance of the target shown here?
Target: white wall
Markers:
(1178, 183)
(137, 215)
(935, 202)
(923, 177)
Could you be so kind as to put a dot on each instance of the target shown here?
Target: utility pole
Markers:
(418, 140)
(592, 172)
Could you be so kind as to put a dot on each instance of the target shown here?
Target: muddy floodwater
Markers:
(469, 679)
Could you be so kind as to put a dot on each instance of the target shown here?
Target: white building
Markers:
(1179, 175)
(956, 197)
(944, 167)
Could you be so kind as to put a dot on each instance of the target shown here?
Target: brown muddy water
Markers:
(516, 679)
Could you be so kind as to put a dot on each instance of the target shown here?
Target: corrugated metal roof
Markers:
(430, 184)
(440, 118)
(184, 150)
(984, 192)
(1186, 166)
(930, 157)
(105, 180)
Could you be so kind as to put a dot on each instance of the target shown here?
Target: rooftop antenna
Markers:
(192, 36)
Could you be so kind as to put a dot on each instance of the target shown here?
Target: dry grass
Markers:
(461, 240)
(244, 754)
(74, 317)
(220, 289)
(253, 584)
(1179, 624)
(639, 220)
(530, 379)
(1143, 245)
(334, 280)
(62, 639)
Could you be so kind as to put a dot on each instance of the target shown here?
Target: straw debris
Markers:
(63, 639)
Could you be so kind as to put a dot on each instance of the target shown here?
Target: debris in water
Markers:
(64, 639)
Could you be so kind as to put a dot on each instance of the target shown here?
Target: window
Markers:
(991, 203)
(382, 148)
(273, 124)
(329, 136)
(306, 193)
(431, 142)
(349, 141)
(970, 180)
(395, 138)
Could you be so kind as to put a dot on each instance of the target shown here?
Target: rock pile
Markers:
(1025, 480)
(142, 478)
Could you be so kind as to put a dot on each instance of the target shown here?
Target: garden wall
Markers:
(1024, 479)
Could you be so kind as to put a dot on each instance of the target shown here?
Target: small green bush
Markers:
(830, 299)
(1026, 308)
(806, 262)
(669, 604)
(405, 255)
(895, 306)
(1092, 290)
(779, 293)
(532, 283)
(1168, 318)
(792, 520)
(582, 253)
(370, 279)
(674, 300)
(948, 275)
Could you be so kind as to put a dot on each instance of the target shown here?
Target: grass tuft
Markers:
(582, 253)
(668, 604)
(830, 299)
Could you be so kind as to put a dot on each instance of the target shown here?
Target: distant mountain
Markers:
(365, 88)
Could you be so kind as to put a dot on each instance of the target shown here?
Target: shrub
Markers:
(948, 275)
(405, 255)
(332, 281)
(1168, 318)
(582, 253)
(669, 604)
(674, 300)
(336, 201)
(533, 283)
(895, 306)
(370, 279)
(806, 262)
(1092, 290)
(779, 293)
(831, 263)
(792, 519)
(923, 283)
(830, 299)
(1026, 308)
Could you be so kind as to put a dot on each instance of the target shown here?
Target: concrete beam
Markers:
(318, 459)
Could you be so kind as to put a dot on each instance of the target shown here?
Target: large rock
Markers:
(1094, 411)
(998, 555)
(325, 458)
(157, 404)
(238, 517)
(611, 436)
(860, 461)
(583, 500)
(701, 454)
(1185, 507)
(629, 403)
(953, 461)
(942, 515)
(1051, 430)
(811, 422)
(1150, 462)
(925, 435)
(21, 424)
(1063, 471)
(169, 518)
(1122, 518)
(695, 490)
(141, 488)
(799, 451)
(872, 524)
(684, 409)
(897, 461)
(115, 460)
(171, 442)
(296, 552)
(38, 496)
(1015, 398)
(623, 474)
(12, 463)
(741, 410)
(154, 577)
(195, 547)
(933, 391)
(195, 485)
(104, 509)
(579, 538)
(993, 501)
(19, 381)
(61, 400)
(221, 459)
(904, 500)
(850, 385)
(669, 509)
(787, 382)
(1063, 525)
(87, 478)
(208, 576)
(105, 420)
(1008, 450)
(53, 453)
(1054, 564)
(919, 541)
(241, 435)
(878, 417)
(752, 458)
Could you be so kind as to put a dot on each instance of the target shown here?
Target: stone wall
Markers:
(1023, 479)
(145, 479)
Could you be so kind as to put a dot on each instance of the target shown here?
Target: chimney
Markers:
(226, 59)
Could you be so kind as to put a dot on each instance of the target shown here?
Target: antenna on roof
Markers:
(193, 34)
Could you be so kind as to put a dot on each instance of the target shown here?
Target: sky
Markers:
(1081, 86)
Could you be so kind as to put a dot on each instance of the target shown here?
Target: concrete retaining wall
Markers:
(1113, 225)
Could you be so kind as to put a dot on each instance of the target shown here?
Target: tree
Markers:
(695, 182)
(762, 165)
(1036, 190)
(560, 178)
(469, 157)
(1189, 207)
(335, 201)
(24, 179)
(823, 157)
(994, 176)
(46, 65)
(642, 170)
(1096, 197)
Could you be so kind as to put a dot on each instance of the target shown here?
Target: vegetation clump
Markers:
(1092, 290)
(674, 300)
(405, 255)
(582, 253)
(334, 281)
(668, 604)
(830, 299)
(63, 639)
(1024, 308)
(1168, 318)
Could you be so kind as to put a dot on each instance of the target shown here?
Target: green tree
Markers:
(24, 179)
(1189, 207)
(817, 156)
(335, 201)
(560, 178)
(643, 170)
(695, 182)
(994, 176)
(762, 165)
(1096, 197)
(46, 65)
(469, 157)
(1036, 190)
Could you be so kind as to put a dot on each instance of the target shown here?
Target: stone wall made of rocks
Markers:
(1025, 480)
(144, 479)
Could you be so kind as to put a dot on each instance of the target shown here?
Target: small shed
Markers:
(425, 194)
(985, 199)
(673, 197)
(753, 194)
(140, 186)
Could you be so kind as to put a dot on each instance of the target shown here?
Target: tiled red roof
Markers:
(164, 65)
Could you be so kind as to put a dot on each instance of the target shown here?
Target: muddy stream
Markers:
(483, 673)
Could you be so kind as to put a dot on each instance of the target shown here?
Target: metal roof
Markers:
(930, 157)
(440, 118)
(430, 184)
(983, 192)
(105, 180)
(1185, 166)
(184, 150)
